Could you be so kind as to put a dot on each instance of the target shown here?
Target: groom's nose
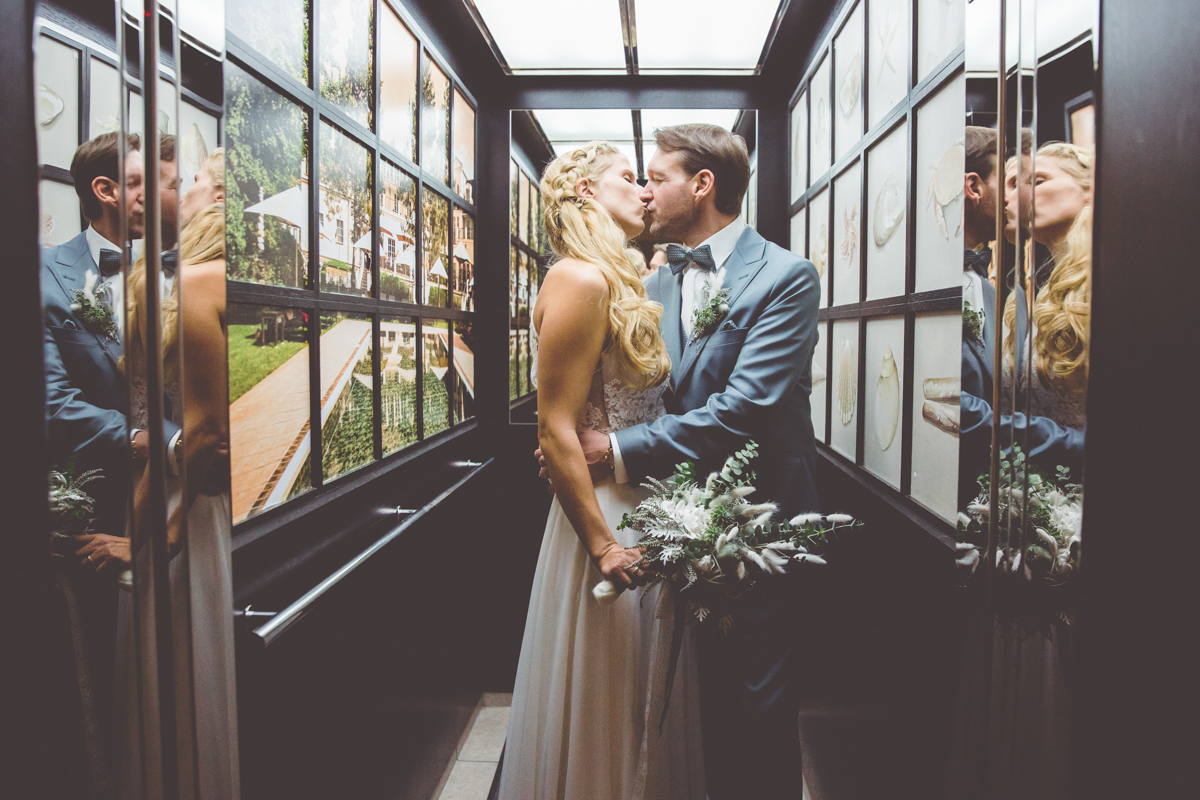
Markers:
(646, 195)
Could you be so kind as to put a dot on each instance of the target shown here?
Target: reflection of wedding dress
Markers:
(201, 589)
(576, 727)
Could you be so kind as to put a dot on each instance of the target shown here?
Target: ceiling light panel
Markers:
(714, 35)
(584, 125)
(556, 36)
(666, 117)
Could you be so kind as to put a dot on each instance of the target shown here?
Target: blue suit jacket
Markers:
(1045, 442)
(750, 379)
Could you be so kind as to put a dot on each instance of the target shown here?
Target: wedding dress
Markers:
(201, 588)
(575, 732)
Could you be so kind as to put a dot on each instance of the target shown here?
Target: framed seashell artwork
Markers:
(844, 394)
(938, 178)
(888, 47)
(57, 68)
(820, 124)
(937, 366)
(941, 28)
(798, 227)
(886, 242)
(60, 216)
(104, 114)
(847, 84)
(799, 146)
(818, 399)
(818, 242)
(847, 194)
(199, 138)
(884, 354)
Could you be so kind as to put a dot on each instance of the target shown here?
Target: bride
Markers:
(577, 724)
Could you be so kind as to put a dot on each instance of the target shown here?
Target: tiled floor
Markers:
(470, 776)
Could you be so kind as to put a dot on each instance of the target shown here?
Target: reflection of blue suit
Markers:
(85, 393)
(1046, 443)
(751, 379)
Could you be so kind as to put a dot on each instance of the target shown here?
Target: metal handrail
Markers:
(269, 631)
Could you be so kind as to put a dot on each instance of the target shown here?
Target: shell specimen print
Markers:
(849, 232)
(847, 383)
(821, 124)
(49, 105)
(818, 372)
(889, 211)
(887, 28)
(820, 249)
(887, 401)
(941, 403)
(195, 151)
(851, 85)
(946, 186)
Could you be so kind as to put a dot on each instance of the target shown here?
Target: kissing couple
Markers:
(632, 380)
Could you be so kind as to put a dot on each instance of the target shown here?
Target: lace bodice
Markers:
(611, 405)
(1068, 410)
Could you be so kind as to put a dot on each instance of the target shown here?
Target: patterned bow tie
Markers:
(978, 262)
(169, 261)
(679, 257)
(110, 262)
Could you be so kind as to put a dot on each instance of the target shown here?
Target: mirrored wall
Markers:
(876, 150)
(541, 135)
(1027, 227)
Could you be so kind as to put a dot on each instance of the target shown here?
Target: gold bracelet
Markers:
(609, 459)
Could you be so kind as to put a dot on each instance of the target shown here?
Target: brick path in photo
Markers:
(267, 424)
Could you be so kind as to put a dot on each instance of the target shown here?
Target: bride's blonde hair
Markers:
(1062, 312)
(579, 227)
(202, 241)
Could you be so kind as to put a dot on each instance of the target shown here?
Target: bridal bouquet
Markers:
(71, 508)
(1032, 571)
(708, 543)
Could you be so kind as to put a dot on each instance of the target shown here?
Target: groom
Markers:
(743, 374)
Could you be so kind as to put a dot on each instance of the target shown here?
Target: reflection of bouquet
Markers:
(1050, 513)
(712, 546)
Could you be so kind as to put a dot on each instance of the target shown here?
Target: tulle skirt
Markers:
(576, 727)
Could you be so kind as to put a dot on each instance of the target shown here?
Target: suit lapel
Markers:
(70, 269)
(744, 263)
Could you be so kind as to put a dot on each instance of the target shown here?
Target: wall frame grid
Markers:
(911, 303)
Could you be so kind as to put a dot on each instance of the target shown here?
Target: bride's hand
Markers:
(614, 565)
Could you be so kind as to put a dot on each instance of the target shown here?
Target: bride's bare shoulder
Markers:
(571, 277)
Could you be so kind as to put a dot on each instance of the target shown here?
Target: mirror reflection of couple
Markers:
(627, 389)
(93, 419)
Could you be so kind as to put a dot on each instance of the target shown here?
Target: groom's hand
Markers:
(595, 446)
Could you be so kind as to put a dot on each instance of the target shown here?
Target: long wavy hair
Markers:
(579, 227)
(1062, 312)
(202, 241)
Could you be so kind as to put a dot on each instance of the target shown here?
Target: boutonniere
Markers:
(972, 322)
(706, 318)
(95, 311)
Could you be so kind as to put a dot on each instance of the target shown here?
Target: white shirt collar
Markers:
(96, 243)
(724, 242)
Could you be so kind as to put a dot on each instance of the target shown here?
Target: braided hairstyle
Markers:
(579, 227)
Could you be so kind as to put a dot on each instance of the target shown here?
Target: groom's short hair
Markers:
(98, 158)
(715, 149)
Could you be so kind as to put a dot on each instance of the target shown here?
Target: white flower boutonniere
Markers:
(706, 318)
(94, 310)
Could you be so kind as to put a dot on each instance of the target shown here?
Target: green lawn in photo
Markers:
(250, 363)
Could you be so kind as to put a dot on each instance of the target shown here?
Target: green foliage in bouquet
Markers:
(1039, 520)
(72, 509)
(711, 545)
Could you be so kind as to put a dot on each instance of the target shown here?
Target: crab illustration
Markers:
(946, 185)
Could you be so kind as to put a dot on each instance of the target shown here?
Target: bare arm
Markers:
(572, 322)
